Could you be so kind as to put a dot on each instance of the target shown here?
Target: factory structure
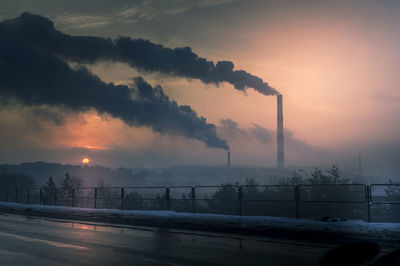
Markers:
(229, 159)
(279, 134)
(280, 137)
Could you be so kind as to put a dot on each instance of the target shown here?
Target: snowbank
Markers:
(257, 225)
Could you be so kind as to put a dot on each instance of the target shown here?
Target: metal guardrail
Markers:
(232, 199)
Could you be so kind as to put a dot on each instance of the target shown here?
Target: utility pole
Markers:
(359, 166)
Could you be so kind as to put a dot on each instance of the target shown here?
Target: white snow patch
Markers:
(373, 230)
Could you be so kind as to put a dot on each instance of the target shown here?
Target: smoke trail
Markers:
(142, 54)
(33, 77)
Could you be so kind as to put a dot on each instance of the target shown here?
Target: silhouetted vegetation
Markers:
(317, 194)
(393, 192)
(16, 180)
(48, 192)
(134, 200)
(69, 190)
(317, 177)
(40, 172)
(14, 186)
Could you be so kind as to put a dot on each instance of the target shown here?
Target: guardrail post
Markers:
(95, 198)
(297, 199)
(368, 199)
(167, 198)
(40, 196)
(73, 198)
(193, 199)
(55, 196)
(27, 196)
(240, 198)
(16, 195)
(122, 198)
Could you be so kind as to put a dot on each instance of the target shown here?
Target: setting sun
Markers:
(85, 160)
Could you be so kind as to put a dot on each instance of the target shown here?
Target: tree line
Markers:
(248, 197)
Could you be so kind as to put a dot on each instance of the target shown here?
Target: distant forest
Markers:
(99, 187)
(39, 172)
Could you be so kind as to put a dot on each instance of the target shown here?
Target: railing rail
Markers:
(232, 199)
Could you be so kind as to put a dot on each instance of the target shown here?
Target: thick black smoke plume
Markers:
(142, 54)
(34, 76)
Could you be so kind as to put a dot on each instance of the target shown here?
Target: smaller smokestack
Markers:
(229, 159)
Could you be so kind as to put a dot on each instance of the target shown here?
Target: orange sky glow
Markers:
(335, 66)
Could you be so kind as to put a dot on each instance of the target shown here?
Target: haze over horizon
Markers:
(335, 63)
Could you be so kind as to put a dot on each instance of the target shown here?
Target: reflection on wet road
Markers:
(34, 241)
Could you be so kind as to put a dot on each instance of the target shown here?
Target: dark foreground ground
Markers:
(28, 240)
(36, 241)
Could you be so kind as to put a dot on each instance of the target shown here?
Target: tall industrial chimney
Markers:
(280, 146)
(229, 159)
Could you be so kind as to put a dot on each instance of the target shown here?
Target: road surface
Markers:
(38, 241)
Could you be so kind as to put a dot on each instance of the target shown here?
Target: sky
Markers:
(334, 62)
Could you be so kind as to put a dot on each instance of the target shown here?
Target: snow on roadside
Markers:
(256, 223)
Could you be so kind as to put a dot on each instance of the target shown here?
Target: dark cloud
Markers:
(299, 145)
(46, 114)
(232, 131)
(262, 134)
(40, 33)
(33, 76)
(168, 117)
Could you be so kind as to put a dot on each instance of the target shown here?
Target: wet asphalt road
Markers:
(35, 241)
